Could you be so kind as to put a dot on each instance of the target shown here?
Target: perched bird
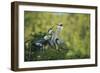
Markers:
(51, 38)
(55, 39)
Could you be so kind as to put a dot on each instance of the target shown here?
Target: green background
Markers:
(75, 33)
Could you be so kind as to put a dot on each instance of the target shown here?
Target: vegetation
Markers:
(75, 34)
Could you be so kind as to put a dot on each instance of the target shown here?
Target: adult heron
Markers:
(55, 39)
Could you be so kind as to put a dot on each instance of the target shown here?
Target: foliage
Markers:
(76, 35)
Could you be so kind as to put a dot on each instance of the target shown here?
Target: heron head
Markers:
(60, 26)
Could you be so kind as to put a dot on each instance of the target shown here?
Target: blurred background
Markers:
(75, 34)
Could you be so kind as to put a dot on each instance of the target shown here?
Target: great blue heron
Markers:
(55, 39)
(51, 39)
